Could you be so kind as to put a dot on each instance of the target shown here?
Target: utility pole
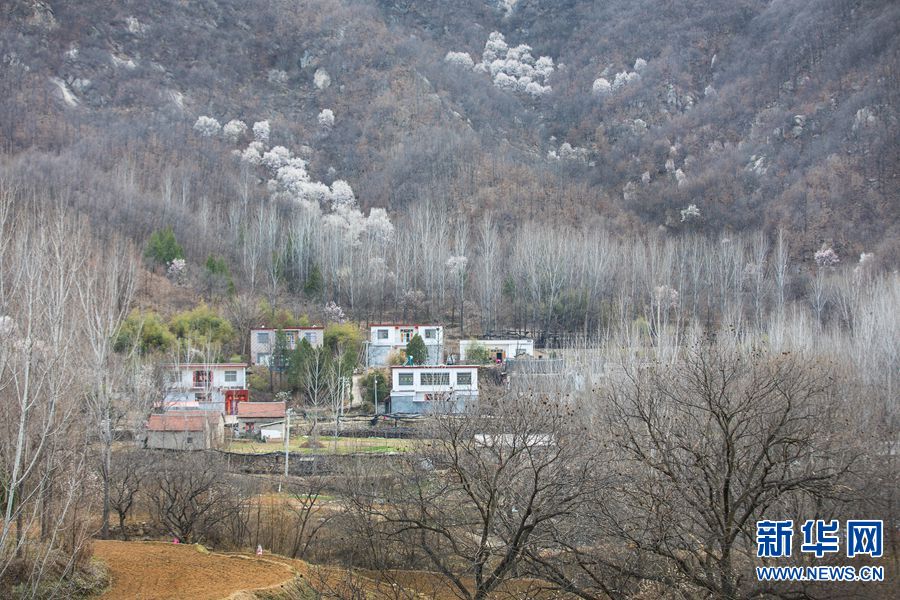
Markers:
(287, 439)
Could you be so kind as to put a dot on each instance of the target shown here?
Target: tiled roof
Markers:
(176, 422)
(265, 410)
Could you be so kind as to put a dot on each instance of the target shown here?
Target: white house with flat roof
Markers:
(208, 384)
(385, 338)
(498, 350)
(423, 389)
(262, 341)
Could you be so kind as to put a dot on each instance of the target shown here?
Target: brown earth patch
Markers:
(158, 571)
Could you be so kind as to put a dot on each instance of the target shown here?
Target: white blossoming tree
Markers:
(261, 131)
(459, 59)
(326, 119)
(207, 126)
(234, 130)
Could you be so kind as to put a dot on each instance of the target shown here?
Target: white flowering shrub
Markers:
(277, 76)
(690, 213)
(459, 59)
(326, 119)
(261, 131)
(207, 126)
(334, 313)
(234, 130)
(513, 69)
(456, 265)
(177, 270)
(321, 79)
(639, 65)
(134, 26)
(826, 257)
(601, 87)
(379, 226)
(342, 195)
(276, 158)
(253, 153)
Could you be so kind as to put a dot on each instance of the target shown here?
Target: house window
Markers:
(262, 337)
(290, 339)
(435, 378)
(202, 378)
(230, 376)
(190, 440)
(405, 379)
(463, 379)
(431, 334)
(310, 337)
(406, 335)
(382, 334)
(263, 359)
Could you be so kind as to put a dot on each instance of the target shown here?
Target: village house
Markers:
(498, 350)
(186, 430)
(214, 386)
(262, 341)
(387, 338)
(252, 417)
(422, 389)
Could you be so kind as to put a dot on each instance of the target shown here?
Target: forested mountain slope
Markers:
(759, 114)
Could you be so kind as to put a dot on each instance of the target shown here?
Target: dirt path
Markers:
(158, 571)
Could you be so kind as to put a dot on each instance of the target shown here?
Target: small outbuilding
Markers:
(186, 430)
(255, 416)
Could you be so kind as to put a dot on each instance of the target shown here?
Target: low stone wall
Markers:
(300, 465)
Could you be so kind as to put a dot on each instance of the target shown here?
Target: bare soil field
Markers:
(159, 570)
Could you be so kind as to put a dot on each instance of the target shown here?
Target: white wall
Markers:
(316, 337)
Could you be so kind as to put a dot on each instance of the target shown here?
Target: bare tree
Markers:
(105, 292)
(704, 449)
(189, 494)
(127, 472)
(42, 445)
(484, 491)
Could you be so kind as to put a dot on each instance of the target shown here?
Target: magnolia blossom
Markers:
(379, 225)
(276, 158)
(207, 126)
(601, 87)
(321, 79)
(177, 270)
(864, 259)
(326, 119)
(334, 313)
(7, 326)
(665, 296)
(457, 265)
(826, 257)
(234, 130)
(254, 153)
(494, 48)
(261, 131)
(690, 213)
(342, 195)
(514, 69)
(623, 78)
(459, 59)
